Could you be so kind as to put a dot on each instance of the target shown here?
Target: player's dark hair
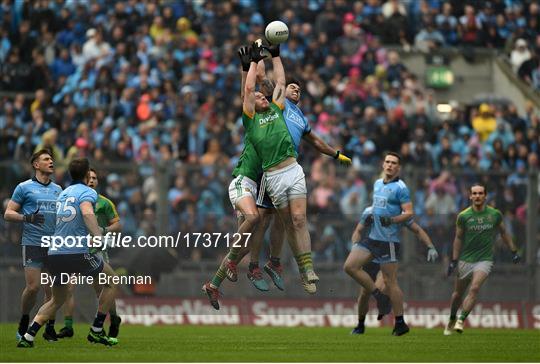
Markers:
(291, 80)
(478, 184)
(393, 154)
(78, 169)
(38, 154)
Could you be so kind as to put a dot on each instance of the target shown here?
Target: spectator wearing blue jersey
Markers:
(34, 204)
(75, 219)
(392, 208)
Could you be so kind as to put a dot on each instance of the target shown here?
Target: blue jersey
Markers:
(296, 122)
(387, 201)
(69, 219)
(34, 196)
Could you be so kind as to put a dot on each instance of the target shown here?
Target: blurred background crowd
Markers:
(134, 85)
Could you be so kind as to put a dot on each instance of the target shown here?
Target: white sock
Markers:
(97, 329)
(28, 337)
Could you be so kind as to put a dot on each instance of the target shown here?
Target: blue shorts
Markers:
(372, 269)
(85, 264)
(383, 252)
(34, 256)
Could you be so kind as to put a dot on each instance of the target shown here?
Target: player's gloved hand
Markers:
(451, 267)
(369, 220)
(432, 254)
(245, 58)
(516, 258)
(256, 51)
(273, 49)
(343, 159)
(36, 218)
(386, 221)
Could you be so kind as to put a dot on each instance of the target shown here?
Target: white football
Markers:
(276, 32)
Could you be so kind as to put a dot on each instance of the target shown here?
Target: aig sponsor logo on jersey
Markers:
(294, 117)
(46, 205)
(379, 201)
(268, 119)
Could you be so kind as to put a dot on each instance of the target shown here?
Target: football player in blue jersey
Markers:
(75, 220)
(34, 204)
(392, 209)
(361, 232)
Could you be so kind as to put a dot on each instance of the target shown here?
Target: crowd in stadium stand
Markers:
(137, 83)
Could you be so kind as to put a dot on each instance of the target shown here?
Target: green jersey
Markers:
(105, 211)
(249, 164)
(479, 233)
(270, 136)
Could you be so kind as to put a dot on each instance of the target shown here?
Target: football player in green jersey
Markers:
(476, 229)
(283, 177)
(109, 221)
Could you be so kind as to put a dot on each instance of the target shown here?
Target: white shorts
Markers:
(284, 185)
(466, 269)
(241, 187)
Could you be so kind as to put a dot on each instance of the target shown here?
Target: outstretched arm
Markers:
(279, 77)
(325, 148)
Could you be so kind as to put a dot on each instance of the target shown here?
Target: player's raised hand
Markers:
(35, 218)
(256, 51)
(245, 58)
(516, 258)
(432, 254)
(451, 267)
(273, 49)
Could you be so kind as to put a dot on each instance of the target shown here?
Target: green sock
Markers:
(233, 254)
(68, 322)
(218, 277)
(304, 261)
(463, 315)
(452, 317)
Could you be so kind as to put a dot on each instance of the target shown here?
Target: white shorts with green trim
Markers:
(241, 187)
(285, 184)
(466, 269)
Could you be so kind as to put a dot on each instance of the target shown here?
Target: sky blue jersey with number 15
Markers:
(387, 200)
(69, 219)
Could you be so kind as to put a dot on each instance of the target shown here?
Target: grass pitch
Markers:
(257, 344)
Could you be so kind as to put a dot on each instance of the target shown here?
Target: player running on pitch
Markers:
(34, 203)
(283, 177)
(392, 207)
(476, 229)
(75, 218)
(351, 266)
(108, 221)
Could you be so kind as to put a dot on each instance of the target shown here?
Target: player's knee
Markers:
(32, 288)
(299, 221)
(253, 219)
(349, 268)
(474, 290)
(456, 296)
